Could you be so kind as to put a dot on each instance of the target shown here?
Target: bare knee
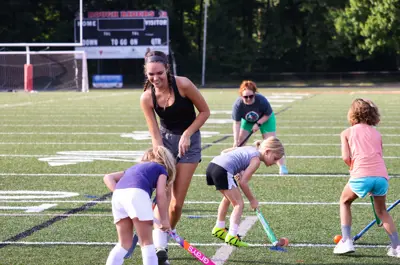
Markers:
(239, 205)
(126, 243)
(176, 206)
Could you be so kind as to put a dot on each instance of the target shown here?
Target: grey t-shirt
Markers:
(253, 112)
(236, 160)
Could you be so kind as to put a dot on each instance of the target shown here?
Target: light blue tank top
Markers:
(237, 160)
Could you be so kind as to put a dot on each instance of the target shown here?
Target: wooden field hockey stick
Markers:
(359, 235)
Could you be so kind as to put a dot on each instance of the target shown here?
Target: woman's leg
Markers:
(236, 199)
(387, 220)
(125, 232)
(144, 232)
(281, 162)
(219, 229)
(346, 199)
(184, 174)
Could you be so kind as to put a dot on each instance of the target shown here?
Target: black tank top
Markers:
(177, 117)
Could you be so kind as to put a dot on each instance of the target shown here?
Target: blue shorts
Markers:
(377, 186)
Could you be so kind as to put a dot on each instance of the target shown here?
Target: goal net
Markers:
(44, 71)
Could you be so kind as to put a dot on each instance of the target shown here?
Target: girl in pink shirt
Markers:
(362, 152)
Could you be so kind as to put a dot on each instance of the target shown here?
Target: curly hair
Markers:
(157, 57)
(363, 111)
(247, 84)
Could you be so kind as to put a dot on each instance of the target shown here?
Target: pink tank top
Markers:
(366, 152)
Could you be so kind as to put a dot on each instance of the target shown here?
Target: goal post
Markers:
(44, 71)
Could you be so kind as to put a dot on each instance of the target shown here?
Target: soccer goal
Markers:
(44, 71)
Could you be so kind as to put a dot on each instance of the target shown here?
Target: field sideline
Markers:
(55, 148)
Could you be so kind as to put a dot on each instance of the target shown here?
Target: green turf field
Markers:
(56, 147)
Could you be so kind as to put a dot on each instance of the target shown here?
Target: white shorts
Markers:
(132, 203)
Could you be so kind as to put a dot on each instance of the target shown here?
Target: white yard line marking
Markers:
(222, 254)
(227, 134)
(40, 103)
(217, 121)
(194, 202)
(195, 175)
(29, 209)
(77, 243)
(204, 156)
(148, 143)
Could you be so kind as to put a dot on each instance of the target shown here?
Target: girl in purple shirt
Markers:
(132, 206)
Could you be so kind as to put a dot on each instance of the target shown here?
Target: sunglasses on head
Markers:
(248, 97)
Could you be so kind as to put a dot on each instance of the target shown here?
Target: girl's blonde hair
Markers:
(247, 84)
(273, 144)
(162, 156)
(363, 111)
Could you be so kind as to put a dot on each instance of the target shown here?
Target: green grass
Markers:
(302, 206)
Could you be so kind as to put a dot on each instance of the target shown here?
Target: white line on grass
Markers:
(222, 254)
(2, 106)
(119, 133)
(194, 202)
(148, 143)
(195, 175)
(301, 245)
(207, 126)
(89, 156)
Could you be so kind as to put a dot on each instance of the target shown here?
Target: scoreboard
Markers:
(123, 34)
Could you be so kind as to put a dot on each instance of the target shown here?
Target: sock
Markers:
(160, 238)
(116, 256)
(220, 224)
(149, 256)
(346, 232)
(233, 229)
(395, 239)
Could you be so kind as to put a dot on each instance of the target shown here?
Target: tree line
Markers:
(245, 38)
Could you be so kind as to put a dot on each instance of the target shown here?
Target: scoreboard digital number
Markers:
(123, 34)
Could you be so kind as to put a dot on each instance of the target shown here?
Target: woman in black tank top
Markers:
(173, 99)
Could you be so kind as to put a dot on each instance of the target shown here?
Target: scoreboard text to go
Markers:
(121, 42)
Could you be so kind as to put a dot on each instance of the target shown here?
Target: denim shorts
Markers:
(377, 186)
(171, 142)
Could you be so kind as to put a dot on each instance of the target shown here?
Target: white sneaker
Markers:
(344, 247)
(394, 252)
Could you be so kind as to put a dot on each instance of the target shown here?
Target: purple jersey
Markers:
(143, 176)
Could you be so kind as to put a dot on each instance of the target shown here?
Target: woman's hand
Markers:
(254, 204)
(164, 225)
(184, 145)
(255, 128)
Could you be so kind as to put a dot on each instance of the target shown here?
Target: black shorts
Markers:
(219, 177)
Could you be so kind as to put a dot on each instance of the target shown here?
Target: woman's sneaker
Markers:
(394, 252)
(162, 255)
(344, 247)
(235, 241)
(220, 232)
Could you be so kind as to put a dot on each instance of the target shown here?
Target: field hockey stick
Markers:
(268, 230)
(191, 249)
(378, 221)
(359, 235)
(245, 139)
(135, 238)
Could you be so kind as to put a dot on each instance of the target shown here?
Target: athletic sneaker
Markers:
(235, 241)
(162, 255)
(283, 170)
(394, 252)
(344, 247)
(219, 232)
